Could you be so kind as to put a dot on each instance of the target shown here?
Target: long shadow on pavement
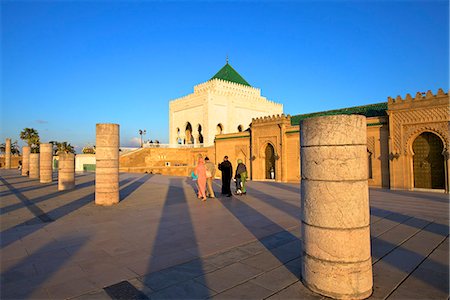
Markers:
(17, 285)
(286, 207)
(441, 229)
(175, 282)
(294, 188)
(435, 197)
(34, 187)
(127, 190)
(42, 198)
(50, 216)
(271, 242)
(405, 261)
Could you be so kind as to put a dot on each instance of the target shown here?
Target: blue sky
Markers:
(67, 65)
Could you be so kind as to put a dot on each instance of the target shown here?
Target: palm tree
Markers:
(31, 136)
(65, 147)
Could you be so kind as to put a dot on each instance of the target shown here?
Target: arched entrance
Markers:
(428, 162)
(270, 162)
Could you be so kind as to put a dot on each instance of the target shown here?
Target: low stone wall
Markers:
(14, 161)
(172, 171)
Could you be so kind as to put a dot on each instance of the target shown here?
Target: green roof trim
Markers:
(370, 110)
(232, 137)
(229, 74)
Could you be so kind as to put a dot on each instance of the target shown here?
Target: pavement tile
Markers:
(429, 281)
(96, 295)
(138, 284)
(108, 275)
(247, 290)
(253, 247)
(386, 242)
(392, 269)
(184, 290)
(296, 291)
(227, 258)
(264, 261)
(17, 272)
(70, 289)
(23, 289)
(276, 279)
(228, 277)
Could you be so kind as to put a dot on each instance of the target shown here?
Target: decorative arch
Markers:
(428, 161)
(219, 128)
(413, 132)
(268, 152)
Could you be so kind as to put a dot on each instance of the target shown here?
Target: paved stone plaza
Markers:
(161, 242)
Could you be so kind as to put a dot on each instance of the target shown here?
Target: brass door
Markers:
(270, 161)
(428, 162)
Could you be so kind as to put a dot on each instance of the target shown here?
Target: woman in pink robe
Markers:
(200, 171)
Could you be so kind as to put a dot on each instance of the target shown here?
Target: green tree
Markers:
(31, 136)
(14, 148)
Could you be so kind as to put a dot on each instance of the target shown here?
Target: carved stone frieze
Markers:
(416, 119)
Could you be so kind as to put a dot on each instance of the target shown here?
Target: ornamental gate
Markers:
(270, 162)
(428, 162)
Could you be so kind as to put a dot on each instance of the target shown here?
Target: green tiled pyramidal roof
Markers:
(371, 110)
(229, 74)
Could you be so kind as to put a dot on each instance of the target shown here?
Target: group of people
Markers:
(205, 172)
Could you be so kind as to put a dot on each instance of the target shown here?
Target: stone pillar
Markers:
(66, 171)
(45, 162)
(336, 260)
(25, 160)
(107, 164)
(34, 165)
(8, 154)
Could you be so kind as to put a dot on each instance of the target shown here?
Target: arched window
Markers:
(200, 135)
(189, 137)
(219, 128)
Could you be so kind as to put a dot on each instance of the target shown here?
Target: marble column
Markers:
(45, 162)
(66, 171)
(8, 154)
(107, 164)
(25, 160)
(336, 260)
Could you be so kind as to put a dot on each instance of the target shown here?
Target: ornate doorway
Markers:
(270, 162)
(428, 162)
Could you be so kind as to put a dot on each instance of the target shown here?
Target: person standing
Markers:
(241, 178)
(227, 174)
(200, 171)
(210, 173)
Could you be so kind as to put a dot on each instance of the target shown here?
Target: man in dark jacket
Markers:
(227, 174)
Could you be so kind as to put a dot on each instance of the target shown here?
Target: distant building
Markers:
(226, 103)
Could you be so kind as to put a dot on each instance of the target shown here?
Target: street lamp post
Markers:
(141, 133)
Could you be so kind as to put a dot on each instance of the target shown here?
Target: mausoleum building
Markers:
(226, 103)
